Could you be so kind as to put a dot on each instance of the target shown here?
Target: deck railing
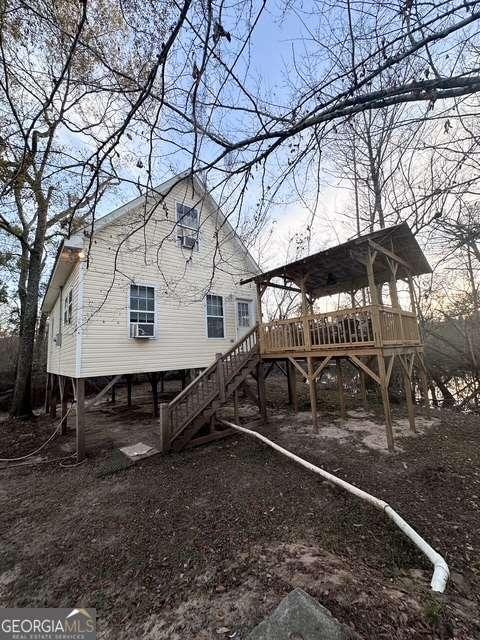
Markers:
(363, 326)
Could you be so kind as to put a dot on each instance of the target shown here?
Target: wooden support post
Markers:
(262, 397)
(212, 427)
(113, 394)
(341, 391)
(313, 393)
(129, 390)
(292, 386)
(374, 298)
(162, 382)
(386, 402)
(53, 396)
(62, 382)
(184, 378)
(80, 419)
(220, 377)
(164, 428)
(307, 342)
(407, 383)
(236, 413)
(48, 392)
(363, 389)
(154, 384)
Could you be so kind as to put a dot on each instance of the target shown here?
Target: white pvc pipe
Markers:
(440, 573)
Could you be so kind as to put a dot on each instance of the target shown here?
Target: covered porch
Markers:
(347, 305)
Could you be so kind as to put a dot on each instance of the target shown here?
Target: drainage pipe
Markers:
(440, 573)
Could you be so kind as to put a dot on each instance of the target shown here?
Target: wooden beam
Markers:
(284, 287)
(321, 367)
(64, 404)
(80, 419)
(292, 385)
(390, 254)
(220, 373)
(313, 393)
(48, 392)
(53, 397)
(386, 403)
(297, 366)
(341, 391)
(361, 365)
(154, 385)
(236, 413)
(129, 389)
(390, 367)
(103, 392)
(363, 388)
(262, 398)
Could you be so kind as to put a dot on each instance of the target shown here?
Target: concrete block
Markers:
(301, 617)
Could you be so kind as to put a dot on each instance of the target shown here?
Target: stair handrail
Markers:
(196, 381)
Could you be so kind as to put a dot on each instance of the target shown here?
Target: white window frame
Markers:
(251, 310)
(191, 231)
(68, 308)
(130, 310)
(207, 315)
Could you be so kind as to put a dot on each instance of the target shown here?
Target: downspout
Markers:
(440, 573)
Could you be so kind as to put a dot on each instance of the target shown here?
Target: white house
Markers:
(154, 288)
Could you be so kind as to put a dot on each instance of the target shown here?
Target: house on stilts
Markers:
(165, 284)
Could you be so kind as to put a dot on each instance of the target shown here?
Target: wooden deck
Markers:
(362, 329)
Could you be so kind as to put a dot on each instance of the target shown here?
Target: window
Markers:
(243, 313)
(187, 226)
(67, 308)
(142, 311)
(215, 327)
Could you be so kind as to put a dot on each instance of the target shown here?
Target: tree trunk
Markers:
(22, 394)
(448, 399)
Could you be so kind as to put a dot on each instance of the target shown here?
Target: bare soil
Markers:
(205, 543)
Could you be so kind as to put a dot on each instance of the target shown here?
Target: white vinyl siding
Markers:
(182, 280)
(63, 320)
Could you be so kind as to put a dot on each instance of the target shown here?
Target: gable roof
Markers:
(67, 255)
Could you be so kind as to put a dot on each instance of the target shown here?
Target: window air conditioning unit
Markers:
(189, 242)
(142, 330)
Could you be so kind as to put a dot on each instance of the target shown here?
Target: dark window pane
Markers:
(215, 327)
(142, 304)
(150, 317)
(150, 292)
(134, 317)
(150, 305)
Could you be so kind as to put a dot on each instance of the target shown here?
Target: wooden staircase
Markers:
(192, 410)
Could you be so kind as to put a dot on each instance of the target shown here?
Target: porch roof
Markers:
(343, 268)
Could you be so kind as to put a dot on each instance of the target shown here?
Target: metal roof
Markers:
(342, 268)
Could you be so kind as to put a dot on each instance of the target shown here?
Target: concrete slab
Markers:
(139, 451)
(301, 617)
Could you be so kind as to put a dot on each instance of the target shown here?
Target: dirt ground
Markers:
(204, 544)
